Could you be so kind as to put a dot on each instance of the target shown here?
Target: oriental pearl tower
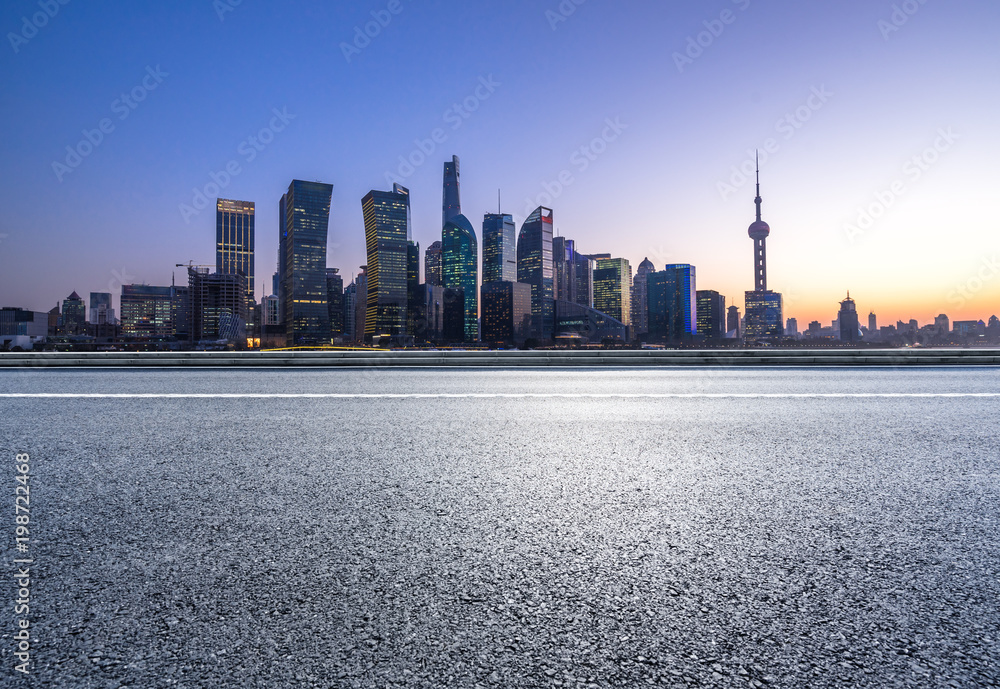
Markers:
(758, 232)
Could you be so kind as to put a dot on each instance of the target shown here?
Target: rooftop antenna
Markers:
(498, 202)
(758, 199)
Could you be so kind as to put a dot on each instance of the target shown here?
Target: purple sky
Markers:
(884, 107)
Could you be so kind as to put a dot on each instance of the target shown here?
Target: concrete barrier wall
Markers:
(613, 358)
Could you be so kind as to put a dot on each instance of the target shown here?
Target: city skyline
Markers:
(642, 179)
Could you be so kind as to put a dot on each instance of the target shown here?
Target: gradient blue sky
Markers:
(654, 191)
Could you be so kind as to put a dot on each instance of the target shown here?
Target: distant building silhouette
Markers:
(850, 329)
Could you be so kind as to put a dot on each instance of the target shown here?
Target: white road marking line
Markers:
(501, 395)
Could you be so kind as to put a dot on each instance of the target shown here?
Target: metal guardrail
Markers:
(612, 358)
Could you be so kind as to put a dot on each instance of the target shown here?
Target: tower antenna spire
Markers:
(758, 200)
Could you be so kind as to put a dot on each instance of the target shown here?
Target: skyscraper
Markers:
(573, 273)
(101, 312)
(146, 311)
(534, 267)
(762, 312)
(234, 240)
(218, 305)
(506, 312)
(733, 322)
(74, 315)
(387, 237)
(452, 198)
(850, 329)
(499, 248)
(414, 295)
(335, 300)
(360, 314)
(613, 289)
(711, 314)
(459, 269)
(305, 211)
(640, 303)
(432, 264)
(672, 303)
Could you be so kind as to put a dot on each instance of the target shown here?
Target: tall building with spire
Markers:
(452, 197)
(762, 309)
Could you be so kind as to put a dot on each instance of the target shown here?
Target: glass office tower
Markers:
(432, 264)
(234, 233)
(305, 216)
(460, 270)
(335, 300)
(762, 317)
(613, 288)
(387, 238)
(499, 248)
(711, 314)
(451, 204)
(672, 303)
(534, 267)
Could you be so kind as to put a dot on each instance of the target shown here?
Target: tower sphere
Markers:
(759, 230)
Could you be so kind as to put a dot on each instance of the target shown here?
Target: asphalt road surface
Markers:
(505, 528)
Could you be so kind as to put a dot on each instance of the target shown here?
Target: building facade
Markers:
(672, 303)
(387, 237)
(640, 304)
(499, 248)
(305, 216)
(234, 241)
(534, 268)
(460, 269)
(432, 264)
(613, 288)
(335, 301)
(146, 311)
(506, 308)
(711, 314)
(74, 315)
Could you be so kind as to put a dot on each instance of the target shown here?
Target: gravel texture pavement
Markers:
(509, 542)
